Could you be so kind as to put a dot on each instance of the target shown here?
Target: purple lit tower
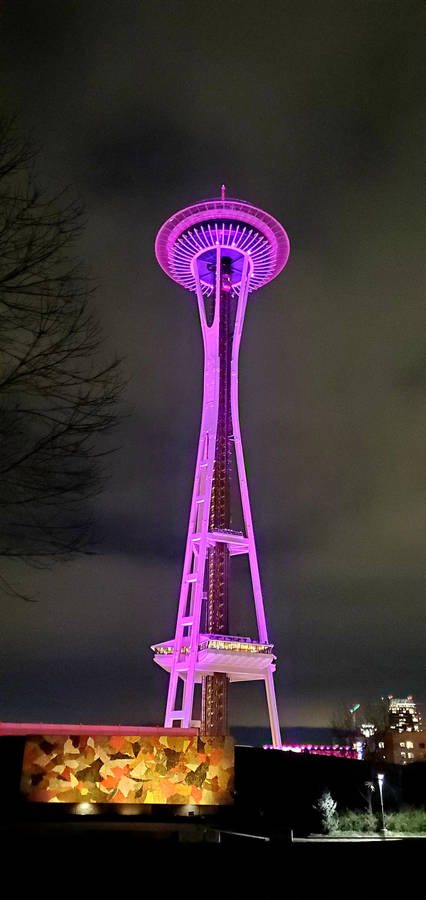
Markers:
(222, 250)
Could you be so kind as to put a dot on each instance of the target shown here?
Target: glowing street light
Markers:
(380, 779)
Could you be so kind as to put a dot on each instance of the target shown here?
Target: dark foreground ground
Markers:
(84, 860)
(265, 834)
(37, 825)
(78, 856)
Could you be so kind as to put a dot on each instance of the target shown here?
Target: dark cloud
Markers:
(150, 151)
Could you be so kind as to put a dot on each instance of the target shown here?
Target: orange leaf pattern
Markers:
(128, 769)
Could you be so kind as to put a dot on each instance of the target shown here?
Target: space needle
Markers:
(223, 250)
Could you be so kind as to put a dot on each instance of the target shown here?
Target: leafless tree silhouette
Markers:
(57, 395)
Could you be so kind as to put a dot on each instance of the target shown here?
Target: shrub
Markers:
(408, 819)
(354, 820)
(326, 807)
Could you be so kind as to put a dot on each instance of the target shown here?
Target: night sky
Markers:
(311, 111)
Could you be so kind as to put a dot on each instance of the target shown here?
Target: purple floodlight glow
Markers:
(347, 752)
(221, 249)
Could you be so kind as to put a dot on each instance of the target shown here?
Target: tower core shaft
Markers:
(214, 703)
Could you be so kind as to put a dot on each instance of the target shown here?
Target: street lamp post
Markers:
(353, 711)
(380, 779)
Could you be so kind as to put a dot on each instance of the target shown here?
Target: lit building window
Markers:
(381, 744)
(411, 756)
(410, 744)
(403, 753)
(402, 744)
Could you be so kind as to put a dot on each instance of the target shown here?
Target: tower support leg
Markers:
(272, 709)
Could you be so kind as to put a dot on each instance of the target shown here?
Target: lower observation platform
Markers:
(241, 658)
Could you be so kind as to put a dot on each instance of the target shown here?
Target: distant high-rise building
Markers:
(400, 747)
(367, 729)
(403, 741)
(403, 714)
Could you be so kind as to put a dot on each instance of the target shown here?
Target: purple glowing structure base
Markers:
(222, 250)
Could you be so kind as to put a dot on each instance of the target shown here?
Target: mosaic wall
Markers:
(122, 769)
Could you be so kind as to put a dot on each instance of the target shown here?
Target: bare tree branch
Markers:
(58, 397)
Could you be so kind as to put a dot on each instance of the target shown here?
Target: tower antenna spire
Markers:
(223, 191)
